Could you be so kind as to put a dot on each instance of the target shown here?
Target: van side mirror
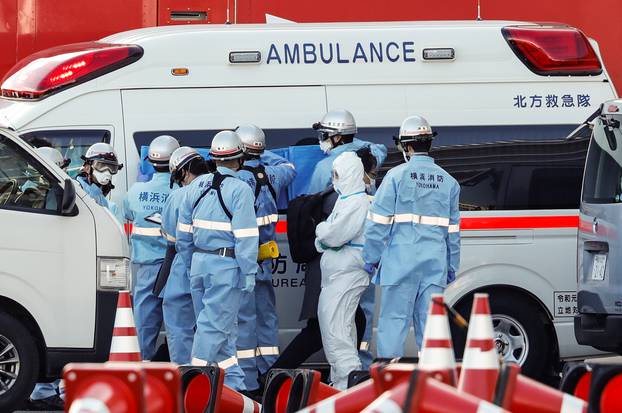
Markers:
(68, 204)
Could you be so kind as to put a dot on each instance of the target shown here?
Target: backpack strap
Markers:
(261, 179)
(215, 185)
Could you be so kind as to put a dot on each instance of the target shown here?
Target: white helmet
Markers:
(102, 156)
(226, 146)
(335, 122)
(253, 139)
(415, 128)
(53, 155)
(161, 148)
(181, 157)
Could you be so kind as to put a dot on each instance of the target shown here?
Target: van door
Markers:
(47, 261)
(600, 237)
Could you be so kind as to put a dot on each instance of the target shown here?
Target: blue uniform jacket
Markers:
(413, 225)
(170, 213)
(207, 226)
(144, 199)
(321, 178)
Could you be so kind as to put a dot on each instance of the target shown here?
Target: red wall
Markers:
(30, 25)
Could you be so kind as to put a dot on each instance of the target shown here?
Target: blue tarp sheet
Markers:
(304, 159)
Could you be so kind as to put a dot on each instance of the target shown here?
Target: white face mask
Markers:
(102, 178)
(326, 146)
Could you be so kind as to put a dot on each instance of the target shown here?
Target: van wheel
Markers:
(519, 334)
(19, 363)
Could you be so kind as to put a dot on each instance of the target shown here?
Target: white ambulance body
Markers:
(484, 86)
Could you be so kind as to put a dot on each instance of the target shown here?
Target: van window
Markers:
(71, 143)
(24, 183)
(519, 175)
(603, 168)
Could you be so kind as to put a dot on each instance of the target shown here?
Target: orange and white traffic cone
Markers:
(480, 364)
(104, 388)
(520, 394)
(391, 401)
(307, 389)
(437, 353)
(576, 381)
(384, 377)
(426, 395)
(277, 391)
(162, 388)
(124, 345)
(606, 388)
(204, 392)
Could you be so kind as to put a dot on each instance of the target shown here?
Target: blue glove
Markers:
(370, 268)
(451, 277)
(249, 283)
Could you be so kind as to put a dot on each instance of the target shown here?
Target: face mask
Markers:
(326, 146)
(102, 178)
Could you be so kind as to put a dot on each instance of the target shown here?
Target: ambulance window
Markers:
(603, 169)
(71, 143)
(24, 183)
(544, 187)
(479, 188)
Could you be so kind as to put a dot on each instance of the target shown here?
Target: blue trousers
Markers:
(368, 304)
(147, 309)
(258, 332)
(401, 304)
(178, 311)
(216, 298)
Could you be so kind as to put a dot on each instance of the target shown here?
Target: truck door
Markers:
(47, 261)
(600, 236)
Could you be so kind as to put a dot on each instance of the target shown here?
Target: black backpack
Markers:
(303, 214)
(215, 185)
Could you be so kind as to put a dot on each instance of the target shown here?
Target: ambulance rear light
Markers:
(553, 50)
(52, 70)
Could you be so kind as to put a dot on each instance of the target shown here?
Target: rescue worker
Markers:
(36, 193)
(148, 247)
(258, 326)
(412, 232)
(218, 239)
(340, 240)
(100, 165)
(185, 165)
(336, 133)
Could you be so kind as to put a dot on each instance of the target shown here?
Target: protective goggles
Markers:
(103, 166)
(322, 135)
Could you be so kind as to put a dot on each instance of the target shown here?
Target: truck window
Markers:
(603, 168)
(71, 143)
(24, 183)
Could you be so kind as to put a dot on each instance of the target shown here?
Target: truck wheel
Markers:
(521, 332)
(19, 363)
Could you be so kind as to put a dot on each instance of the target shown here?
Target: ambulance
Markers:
(502, 96)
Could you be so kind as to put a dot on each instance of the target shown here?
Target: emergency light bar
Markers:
(49, 71)
(553, 50)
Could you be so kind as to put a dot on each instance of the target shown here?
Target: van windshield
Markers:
(603, 168)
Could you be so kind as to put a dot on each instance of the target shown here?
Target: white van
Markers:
(502, 96)
(62, 260)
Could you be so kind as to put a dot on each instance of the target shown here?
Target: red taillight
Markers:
(52, 70)
(553, 50)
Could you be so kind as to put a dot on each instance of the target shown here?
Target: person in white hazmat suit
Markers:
(340, 239)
